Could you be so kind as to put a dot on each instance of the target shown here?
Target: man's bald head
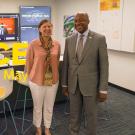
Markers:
(84, 15)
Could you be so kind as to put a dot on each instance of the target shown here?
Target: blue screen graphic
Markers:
(32, 15)
(28, 34)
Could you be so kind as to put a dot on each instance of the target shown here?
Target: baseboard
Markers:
(121, 88)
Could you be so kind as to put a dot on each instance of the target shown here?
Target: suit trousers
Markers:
(43, 101)
(79, 103)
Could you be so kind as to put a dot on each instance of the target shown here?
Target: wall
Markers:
(122, 65)
(122, 69)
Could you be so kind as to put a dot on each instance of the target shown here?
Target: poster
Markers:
(110, 22)
(68, 25)
(109, 5)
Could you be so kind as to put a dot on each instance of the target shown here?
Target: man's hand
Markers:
(65, 91)
(102, 96)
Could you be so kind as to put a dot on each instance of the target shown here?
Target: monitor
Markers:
(32, 15)
(28, 34)
(9, 27)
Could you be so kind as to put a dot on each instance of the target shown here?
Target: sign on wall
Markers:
(32, 15)
(110, 22)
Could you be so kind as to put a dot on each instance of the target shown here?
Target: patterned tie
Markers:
(79, 48)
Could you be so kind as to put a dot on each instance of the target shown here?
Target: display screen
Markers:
(28, 34)
(32, 15)
(9, 27)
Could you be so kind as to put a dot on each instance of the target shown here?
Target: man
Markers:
(3, 31)
(84, 74)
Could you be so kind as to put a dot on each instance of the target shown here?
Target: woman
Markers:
(42, 62)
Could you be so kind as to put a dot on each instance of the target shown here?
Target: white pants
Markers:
(43, 101)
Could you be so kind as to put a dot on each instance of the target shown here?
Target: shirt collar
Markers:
(85, 33)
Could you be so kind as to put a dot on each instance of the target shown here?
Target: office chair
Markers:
(104, 107)
(24, 100)
(6, 88)
(66, 107)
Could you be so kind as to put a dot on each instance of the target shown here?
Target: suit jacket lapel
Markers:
(74, 41)
(87, 45)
